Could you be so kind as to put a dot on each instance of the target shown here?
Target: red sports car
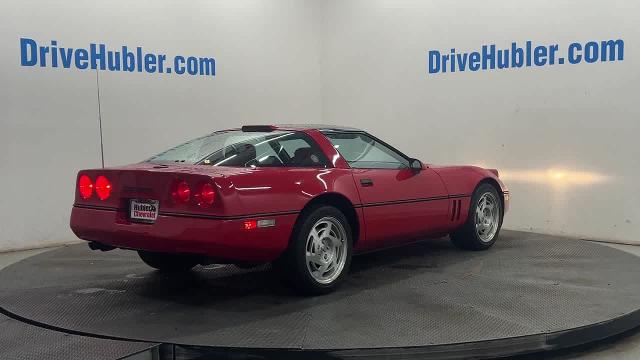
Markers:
(303, 197)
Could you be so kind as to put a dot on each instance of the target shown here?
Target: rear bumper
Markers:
(217, 238)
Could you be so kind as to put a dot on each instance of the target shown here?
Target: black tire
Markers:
(466, 237)
(293, 264)
(170, 263)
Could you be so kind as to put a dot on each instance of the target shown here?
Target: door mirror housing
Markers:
(415, 165)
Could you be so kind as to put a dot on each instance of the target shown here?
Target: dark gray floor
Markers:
(424, 294)
(20, 341)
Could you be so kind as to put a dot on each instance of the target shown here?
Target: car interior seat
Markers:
(246, 154)
(305, 157)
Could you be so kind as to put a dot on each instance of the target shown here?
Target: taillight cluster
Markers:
(181, 192)
(204, 196)
(102, 187)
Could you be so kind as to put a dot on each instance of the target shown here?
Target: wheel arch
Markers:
(339, 201)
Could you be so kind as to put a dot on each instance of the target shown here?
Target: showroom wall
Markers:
(266, 70)
(563, 136)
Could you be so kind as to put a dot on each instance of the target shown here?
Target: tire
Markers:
(316, 264)
(170, 263)
(483, 236)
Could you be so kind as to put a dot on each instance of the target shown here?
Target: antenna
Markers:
(100, 119)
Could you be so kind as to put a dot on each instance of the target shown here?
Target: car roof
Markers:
(303, 127)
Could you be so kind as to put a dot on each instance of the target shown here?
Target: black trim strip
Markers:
(407, 201)
(290, 212)
(227, 217)
(191, 215)
(455, 196)
(96, 207)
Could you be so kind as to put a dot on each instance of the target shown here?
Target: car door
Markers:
(399, 204)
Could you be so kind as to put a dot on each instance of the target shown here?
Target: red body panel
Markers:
(392, 206)
(462, 180)
(401, 205)
(220, 239)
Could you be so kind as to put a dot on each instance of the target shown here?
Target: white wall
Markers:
(563, 136)
(267, 71)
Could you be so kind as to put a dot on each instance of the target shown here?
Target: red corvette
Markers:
(303, 197)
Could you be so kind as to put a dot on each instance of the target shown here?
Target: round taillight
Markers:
(103, 187)
(85, 186)
(181, 192)
(207, 195)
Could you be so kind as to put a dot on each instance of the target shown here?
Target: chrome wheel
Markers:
(487, 217)
(326, 250)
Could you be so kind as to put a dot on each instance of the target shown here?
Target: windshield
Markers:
(247, 149)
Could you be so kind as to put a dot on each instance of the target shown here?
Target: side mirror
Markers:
(415, 165)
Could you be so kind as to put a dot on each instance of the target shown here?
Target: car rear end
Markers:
(174, 209)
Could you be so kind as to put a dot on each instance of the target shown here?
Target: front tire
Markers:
(170, 263)
(484, 221)
(319, 254)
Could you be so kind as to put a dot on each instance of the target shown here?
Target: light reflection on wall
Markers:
(556, 201)
(553, 176)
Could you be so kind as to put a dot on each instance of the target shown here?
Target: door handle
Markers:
(366, 182)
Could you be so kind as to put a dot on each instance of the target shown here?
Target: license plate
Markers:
(143, 210)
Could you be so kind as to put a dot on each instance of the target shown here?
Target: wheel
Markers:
(319, 254)
(169, 262)
(483, 223)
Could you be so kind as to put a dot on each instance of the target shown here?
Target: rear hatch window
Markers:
(247, 149)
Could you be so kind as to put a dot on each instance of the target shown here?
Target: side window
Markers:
(363, 152)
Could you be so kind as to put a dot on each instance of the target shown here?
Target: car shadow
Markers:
(258, 288)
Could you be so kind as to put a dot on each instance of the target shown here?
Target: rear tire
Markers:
(484, 220)
(170, 263)
(319, 254)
